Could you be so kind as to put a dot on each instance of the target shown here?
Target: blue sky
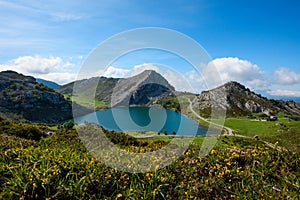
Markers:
(254, 42)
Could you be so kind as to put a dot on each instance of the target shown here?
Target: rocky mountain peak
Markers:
(239, 100)
(140, 89)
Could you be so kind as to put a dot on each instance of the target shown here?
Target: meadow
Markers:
(60, 167)
(285, 131)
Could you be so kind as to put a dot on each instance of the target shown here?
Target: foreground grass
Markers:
(59, 167)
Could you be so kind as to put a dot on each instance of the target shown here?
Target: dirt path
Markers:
(229, 130)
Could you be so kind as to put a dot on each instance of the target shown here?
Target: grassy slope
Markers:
(284, 131)
(84, 101)
(60, 167)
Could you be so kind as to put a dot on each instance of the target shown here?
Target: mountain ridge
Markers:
(239, 100)
(140, 89)
(22, 98)
(48, 83)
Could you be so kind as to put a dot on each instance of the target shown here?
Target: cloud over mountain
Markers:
(50, 68)
(235, 69)
(286, 76)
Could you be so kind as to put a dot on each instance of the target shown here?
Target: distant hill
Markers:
(49, 84)
(241, 101)
(141, 89)
(22, 98)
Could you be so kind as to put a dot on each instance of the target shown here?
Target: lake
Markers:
(123, 119)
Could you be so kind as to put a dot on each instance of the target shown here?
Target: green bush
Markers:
(22, 130)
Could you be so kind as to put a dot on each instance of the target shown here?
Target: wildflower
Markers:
(119, 195)
(213, 152)
(163, 179)
(155, 192)
(276, 189)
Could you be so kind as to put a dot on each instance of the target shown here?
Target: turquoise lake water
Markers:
(144, 119)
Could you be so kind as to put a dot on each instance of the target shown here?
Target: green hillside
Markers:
(59, 167)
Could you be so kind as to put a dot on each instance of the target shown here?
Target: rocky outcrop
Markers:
(21, 97)
(239, 100)
(140, 89)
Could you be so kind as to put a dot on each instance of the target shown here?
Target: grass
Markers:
(82, 100)
(59, 167)
(284, 131)
(86, 102)
(141, 133)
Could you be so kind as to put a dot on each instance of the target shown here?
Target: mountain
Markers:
(142, 89)
(22, 98)
(49, 84)
(239, 100)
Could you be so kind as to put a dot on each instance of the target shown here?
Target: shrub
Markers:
(68, 125)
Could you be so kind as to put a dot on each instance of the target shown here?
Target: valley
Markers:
(256, 156)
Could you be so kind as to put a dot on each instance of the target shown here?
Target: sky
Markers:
(256, 43)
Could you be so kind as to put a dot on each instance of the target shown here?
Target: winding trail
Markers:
(229, 130)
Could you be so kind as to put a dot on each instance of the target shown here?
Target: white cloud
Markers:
(194, 76)
(59, 77)
(137, 69)
(115, 72)
(196, 81)
(234, 69)
(286, 76)
(37, 64)
(176, 79)
(49, 68)
(288, 93)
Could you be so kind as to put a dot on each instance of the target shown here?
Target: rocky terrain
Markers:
(142, 89)
(239, 100)
(22, 98)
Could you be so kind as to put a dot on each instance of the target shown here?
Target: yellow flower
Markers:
(213, 152)
(119, 195)
(163, 179)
